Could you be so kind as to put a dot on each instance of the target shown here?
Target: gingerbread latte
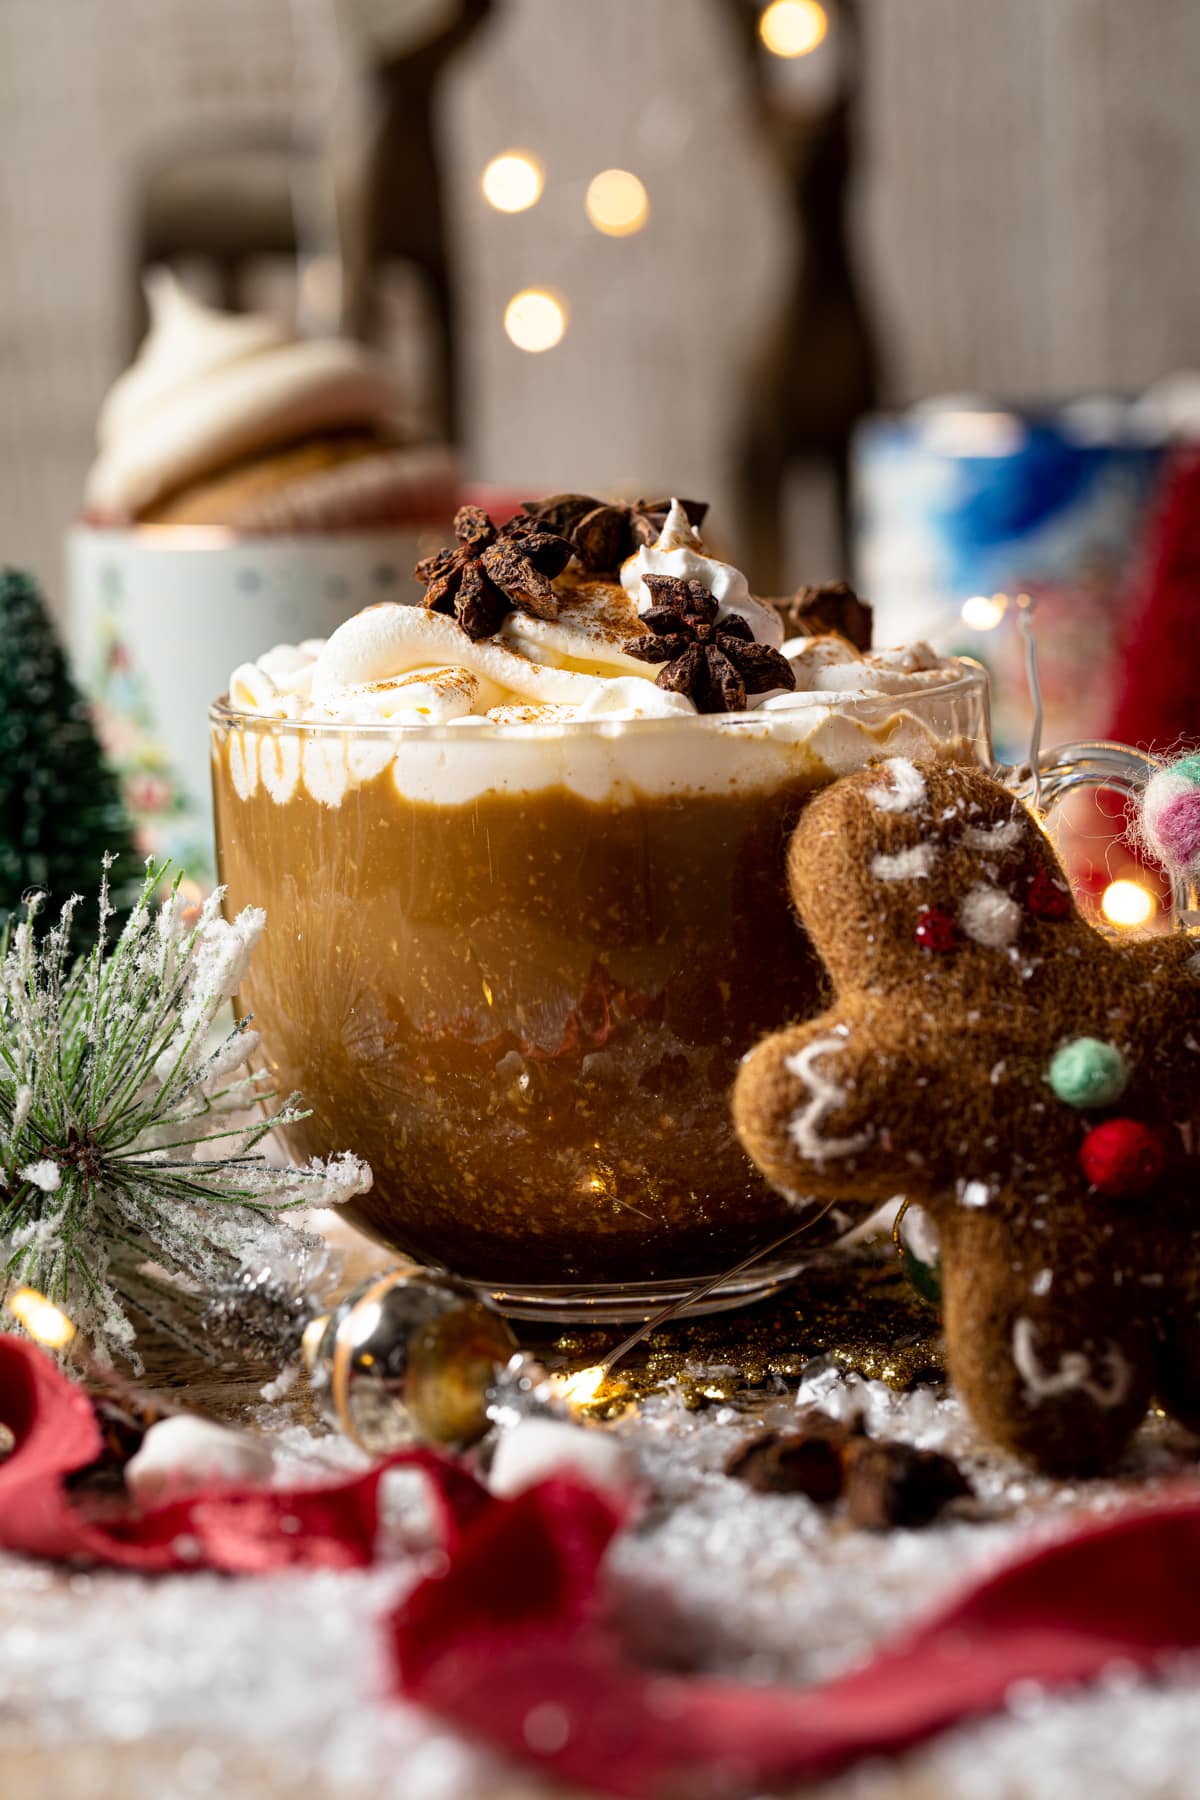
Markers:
(521, 853)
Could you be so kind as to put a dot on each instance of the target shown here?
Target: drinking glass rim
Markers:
(969, 675)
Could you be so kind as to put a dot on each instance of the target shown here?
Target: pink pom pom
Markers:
(1170, 815)
(1178, 829)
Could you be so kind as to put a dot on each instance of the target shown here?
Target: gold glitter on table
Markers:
(854, 1307)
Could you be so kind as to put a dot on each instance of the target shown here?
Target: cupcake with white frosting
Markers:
(228, 419)
(249, 486)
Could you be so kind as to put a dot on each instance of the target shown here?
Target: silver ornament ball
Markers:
(408, 1358)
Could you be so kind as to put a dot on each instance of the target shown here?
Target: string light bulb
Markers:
(1127, 904)
(583, 1387)
(617, 202)
(793, 27)
(46, 1323)
(983, 612)
(535, 320)
(513, 181)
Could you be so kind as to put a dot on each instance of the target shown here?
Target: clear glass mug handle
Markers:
(1068, 767)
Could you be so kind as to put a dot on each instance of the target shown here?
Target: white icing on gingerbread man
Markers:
(990, 916)
(905, 865)
(826, 1098)
(1074, 1372)
(907, 789)
(1005, 836)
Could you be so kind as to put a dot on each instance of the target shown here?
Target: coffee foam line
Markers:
(611, 765)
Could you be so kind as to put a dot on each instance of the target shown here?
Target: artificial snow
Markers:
(216, 1677)
(185, 1452)
(45, 1175)
(535, 1448)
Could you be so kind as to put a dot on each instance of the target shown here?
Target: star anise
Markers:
(490, 571)
(603, 533)
(717, 664)
(881, 1483)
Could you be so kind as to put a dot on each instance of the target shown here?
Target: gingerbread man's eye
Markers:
(935, 930)
(913, 864)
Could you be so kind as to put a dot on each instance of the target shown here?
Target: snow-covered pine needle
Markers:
(131, 1180)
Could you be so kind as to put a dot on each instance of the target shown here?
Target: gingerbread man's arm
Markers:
(806, 1108)
(1167, 970)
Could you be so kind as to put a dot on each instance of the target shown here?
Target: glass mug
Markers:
(515, 968)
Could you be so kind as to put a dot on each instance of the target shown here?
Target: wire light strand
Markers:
(1034, 680)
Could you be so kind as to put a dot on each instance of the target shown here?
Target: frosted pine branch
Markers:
(132, 1181)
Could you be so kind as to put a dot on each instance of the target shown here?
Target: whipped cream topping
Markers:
(209, 387)
(402, 667)
(681, 551)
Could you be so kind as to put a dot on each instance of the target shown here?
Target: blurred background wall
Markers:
(1023, 216)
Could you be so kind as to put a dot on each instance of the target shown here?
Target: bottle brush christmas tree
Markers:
(60, 807)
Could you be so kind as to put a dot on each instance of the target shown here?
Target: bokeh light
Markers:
(792, 27)
(583, 1387)
(535, 320)
(513, 181)
(1128, 904)
(41, 1318)
(617, 202)
(983, 612)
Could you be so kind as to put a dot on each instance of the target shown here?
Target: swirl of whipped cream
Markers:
(399, 666)
(594, 620)
(208, 388)
(395, 666)
(402, 665)
(681, 551)
(385, 644)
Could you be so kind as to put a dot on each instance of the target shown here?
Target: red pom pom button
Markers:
(1122, 1157)
(935, 930)
(1048, 898)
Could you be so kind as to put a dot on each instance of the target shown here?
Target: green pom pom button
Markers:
(1087, 1072)
(1188, 766)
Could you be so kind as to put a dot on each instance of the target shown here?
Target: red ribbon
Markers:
(237, 1529)
(510, 1646)
(510, 1643)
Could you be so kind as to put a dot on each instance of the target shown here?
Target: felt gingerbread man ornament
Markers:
(1032, 1083)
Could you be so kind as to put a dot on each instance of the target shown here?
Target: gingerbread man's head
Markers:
(1034, 1084)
